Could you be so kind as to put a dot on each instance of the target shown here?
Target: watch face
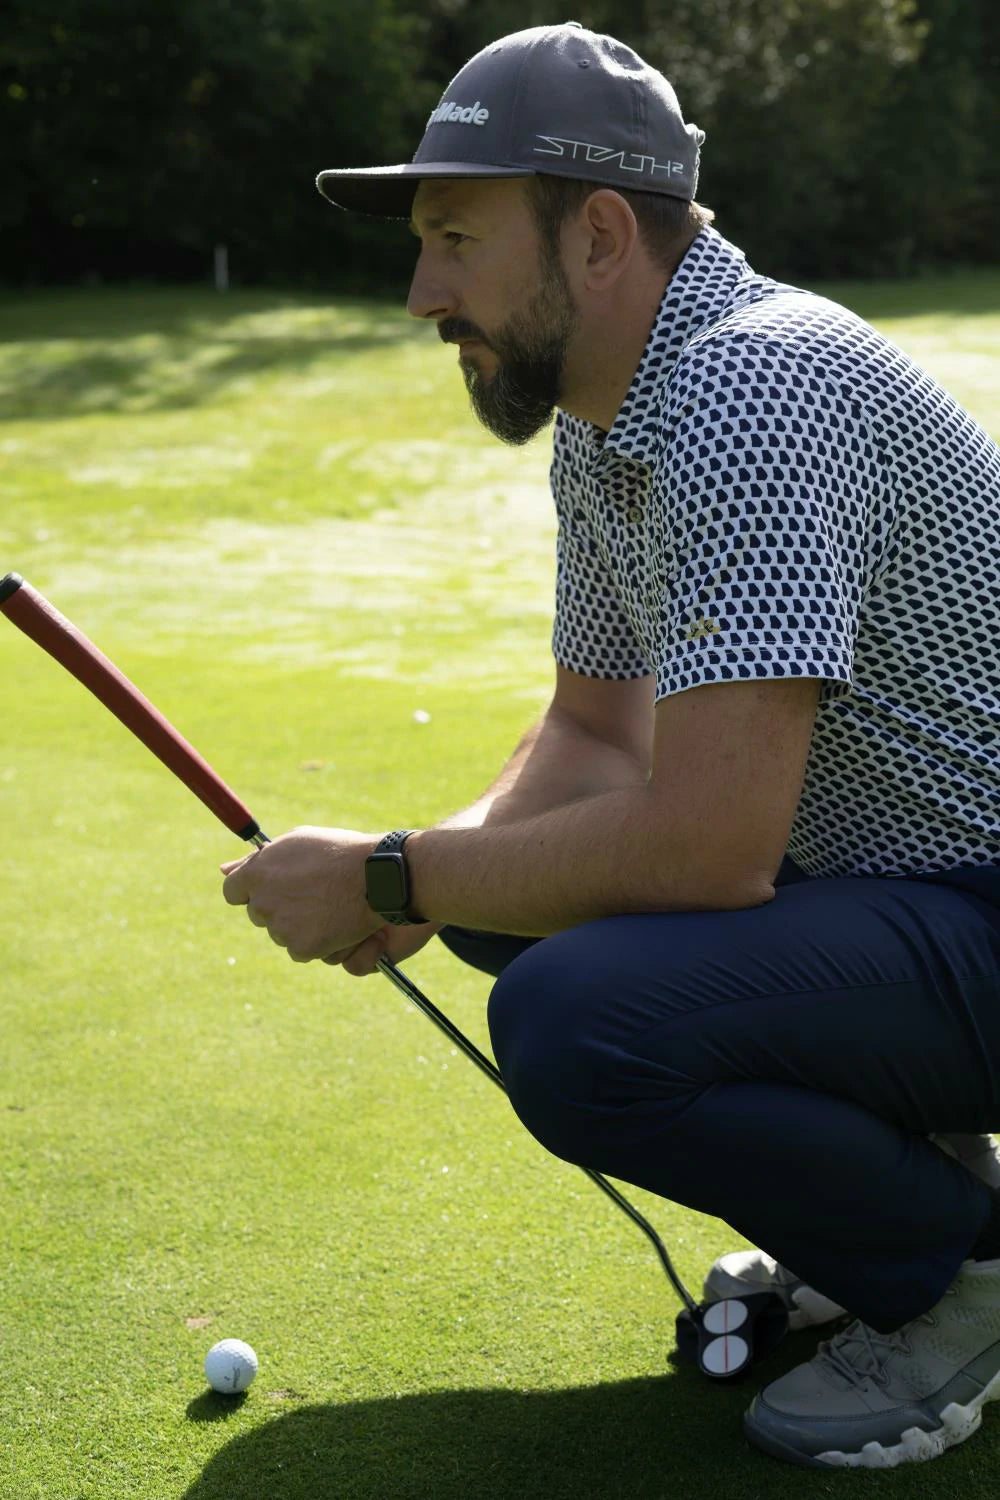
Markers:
(385, 882)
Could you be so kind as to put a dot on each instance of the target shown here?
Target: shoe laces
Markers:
(860, 1353)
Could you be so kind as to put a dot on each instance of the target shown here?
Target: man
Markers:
(741, 884)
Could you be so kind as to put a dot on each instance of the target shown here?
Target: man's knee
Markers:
(489, 952)
(552, 1067)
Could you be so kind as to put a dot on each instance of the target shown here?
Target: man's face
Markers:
(499, 293)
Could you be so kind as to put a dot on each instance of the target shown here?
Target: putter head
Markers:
(725, 1338)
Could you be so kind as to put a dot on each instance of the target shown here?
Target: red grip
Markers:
(32, 613)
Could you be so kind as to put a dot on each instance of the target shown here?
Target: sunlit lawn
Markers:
(277, 515)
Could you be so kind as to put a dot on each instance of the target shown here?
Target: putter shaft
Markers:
(441, 1021)
(409, 989)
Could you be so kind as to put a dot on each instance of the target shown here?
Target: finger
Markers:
(257, 917)
(339, 956)
(365, 956)
(342, 954)
(236, 886)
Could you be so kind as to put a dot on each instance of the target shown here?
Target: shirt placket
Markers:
(622, 488)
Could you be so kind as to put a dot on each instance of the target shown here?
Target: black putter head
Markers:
(725, 1338)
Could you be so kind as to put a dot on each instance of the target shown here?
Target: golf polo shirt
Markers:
(785, 494)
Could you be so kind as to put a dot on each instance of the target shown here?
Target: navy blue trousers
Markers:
(778, 1067)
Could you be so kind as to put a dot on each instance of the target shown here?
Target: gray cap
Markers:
(554, 99)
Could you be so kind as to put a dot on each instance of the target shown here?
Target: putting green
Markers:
(277, 515)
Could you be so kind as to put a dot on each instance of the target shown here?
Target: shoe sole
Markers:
(914, 1446)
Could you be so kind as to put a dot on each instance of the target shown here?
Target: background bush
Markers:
(845, 137)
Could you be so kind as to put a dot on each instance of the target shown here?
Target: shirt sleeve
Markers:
(773, 477)
(592, 634)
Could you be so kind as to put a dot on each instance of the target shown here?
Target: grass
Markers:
(276, 514)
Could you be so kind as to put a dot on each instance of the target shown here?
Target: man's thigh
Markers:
(883, 992)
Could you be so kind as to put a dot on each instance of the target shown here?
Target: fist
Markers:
(308, 890)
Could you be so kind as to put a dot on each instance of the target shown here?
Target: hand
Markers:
(308, 890)
(393, 943)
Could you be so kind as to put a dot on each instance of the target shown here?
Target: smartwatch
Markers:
(387, 881)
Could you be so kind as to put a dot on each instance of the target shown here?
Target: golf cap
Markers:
(554, 99)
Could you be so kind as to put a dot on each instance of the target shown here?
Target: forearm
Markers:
(595, 857)
(704, 831)
(556, 762)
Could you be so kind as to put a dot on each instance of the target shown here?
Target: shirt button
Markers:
(634, 514)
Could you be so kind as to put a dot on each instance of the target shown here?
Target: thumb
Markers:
(236, 886)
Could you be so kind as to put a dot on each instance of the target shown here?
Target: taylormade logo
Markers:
(448, 113)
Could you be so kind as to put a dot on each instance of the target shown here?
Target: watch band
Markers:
(392, 844)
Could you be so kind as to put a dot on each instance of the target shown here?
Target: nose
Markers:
(428, 298)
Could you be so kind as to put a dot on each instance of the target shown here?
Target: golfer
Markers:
(741, 884)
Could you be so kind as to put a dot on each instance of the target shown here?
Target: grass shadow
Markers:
(155, 349)
(211, 1406)
(161, 349)
(133, 311)
(678, 1436)
(609, 1441)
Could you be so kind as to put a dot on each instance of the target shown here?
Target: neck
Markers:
(604, 357)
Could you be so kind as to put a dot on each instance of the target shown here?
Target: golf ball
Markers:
(230, 1366)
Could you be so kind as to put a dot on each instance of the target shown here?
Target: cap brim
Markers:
(387, 192)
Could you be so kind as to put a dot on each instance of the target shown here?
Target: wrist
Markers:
(388, 889)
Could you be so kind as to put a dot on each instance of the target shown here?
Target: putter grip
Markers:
(33, 614)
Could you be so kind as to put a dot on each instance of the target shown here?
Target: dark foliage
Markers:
(845, 137)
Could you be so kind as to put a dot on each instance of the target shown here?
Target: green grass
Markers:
(276, 514)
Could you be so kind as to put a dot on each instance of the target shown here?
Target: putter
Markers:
(722, 1338)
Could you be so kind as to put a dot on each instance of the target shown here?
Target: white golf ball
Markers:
(230, 1366)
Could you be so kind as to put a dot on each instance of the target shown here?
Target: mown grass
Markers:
(277, 515)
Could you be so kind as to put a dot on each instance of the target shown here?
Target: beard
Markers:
(519, 400)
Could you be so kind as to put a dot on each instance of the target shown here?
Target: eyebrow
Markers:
(436, 221)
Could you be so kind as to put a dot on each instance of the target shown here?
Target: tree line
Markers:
(844, 137)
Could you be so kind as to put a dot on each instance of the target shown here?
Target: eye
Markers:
(453, 237)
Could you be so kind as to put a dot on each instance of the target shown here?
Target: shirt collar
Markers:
(697, 294)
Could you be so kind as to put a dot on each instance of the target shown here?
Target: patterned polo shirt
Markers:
(785, 494)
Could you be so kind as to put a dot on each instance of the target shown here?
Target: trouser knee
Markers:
(548, 1071)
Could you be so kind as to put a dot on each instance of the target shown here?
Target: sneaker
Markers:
(980, 1153)
(872, 1400)
(743, 1272)
(746, 1271)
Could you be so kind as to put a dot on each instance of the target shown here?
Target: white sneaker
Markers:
(745, 1271)
(980, 1153)
(870, 1400)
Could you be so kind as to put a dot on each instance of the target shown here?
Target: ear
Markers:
(610, 236)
